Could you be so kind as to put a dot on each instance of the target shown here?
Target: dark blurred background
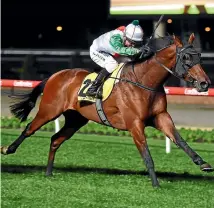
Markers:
(41, 37)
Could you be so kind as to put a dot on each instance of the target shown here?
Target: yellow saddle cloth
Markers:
(107, 86)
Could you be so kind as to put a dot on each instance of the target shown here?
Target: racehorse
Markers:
(138, 100)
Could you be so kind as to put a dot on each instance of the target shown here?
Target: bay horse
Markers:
(138, 100)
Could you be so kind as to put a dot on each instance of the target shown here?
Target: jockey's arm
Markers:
(117, 44)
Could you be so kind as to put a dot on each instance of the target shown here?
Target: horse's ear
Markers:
(191, 38)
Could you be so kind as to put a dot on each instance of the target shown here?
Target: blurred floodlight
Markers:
(169, 21)
(207, 29)
(59, 28)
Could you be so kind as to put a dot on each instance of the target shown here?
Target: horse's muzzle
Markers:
(202, 86)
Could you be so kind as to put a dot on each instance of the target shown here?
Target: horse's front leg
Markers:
(137, 132)
(164, 123)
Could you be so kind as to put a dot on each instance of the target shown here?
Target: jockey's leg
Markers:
(107, 62)
(92, 91)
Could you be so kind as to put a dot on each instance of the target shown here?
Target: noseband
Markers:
(186, 58)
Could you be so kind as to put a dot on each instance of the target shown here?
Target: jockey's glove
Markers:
(146, 51)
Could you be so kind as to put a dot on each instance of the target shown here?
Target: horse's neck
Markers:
(152, 74)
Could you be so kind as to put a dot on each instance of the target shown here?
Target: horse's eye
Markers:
(187, 59)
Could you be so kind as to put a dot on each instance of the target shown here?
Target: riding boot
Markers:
(102, 75)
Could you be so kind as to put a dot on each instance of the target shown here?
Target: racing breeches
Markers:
(104, 60)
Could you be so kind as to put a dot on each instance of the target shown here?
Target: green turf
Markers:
(98, 171)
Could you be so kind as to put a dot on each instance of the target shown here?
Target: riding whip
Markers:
(156, 26)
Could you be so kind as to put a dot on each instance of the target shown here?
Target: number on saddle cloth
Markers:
(86, 84)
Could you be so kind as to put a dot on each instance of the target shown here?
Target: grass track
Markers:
(98, 171)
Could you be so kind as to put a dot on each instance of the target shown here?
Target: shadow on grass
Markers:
(171, 176)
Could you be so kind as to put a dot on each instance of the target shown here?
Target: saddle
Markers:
(106, 88)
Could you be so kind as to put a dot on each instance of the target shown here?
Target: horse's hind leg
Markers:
(44, 115)
(164, 123)
(73, 122)
(5, 150)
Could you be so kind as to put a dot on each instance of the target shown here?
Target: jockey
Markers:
(123, 41)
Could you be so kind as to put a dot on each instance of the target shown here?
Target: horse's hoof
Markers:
(48, 174)
(156, 185)
(206, 167)
(4, 150)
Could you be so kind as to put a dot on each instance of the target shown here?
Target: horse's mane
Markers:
(155, 45)
(159, 43)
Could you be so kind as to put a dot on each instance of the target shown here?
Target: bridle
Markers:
(186, 58)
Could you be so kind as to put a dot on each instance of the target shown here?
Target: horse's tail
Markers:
(22, 109)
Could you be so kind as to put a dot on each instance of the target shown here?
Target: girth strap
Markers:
(101, 113)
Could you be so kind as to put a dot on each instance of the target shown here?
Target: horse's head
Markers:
(186, 62)
(188, 65)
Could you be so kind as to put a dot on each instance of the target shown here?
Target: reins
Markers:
(135, 83)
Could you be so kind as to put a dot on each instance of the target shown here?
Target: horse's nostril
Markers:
(204, 85)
